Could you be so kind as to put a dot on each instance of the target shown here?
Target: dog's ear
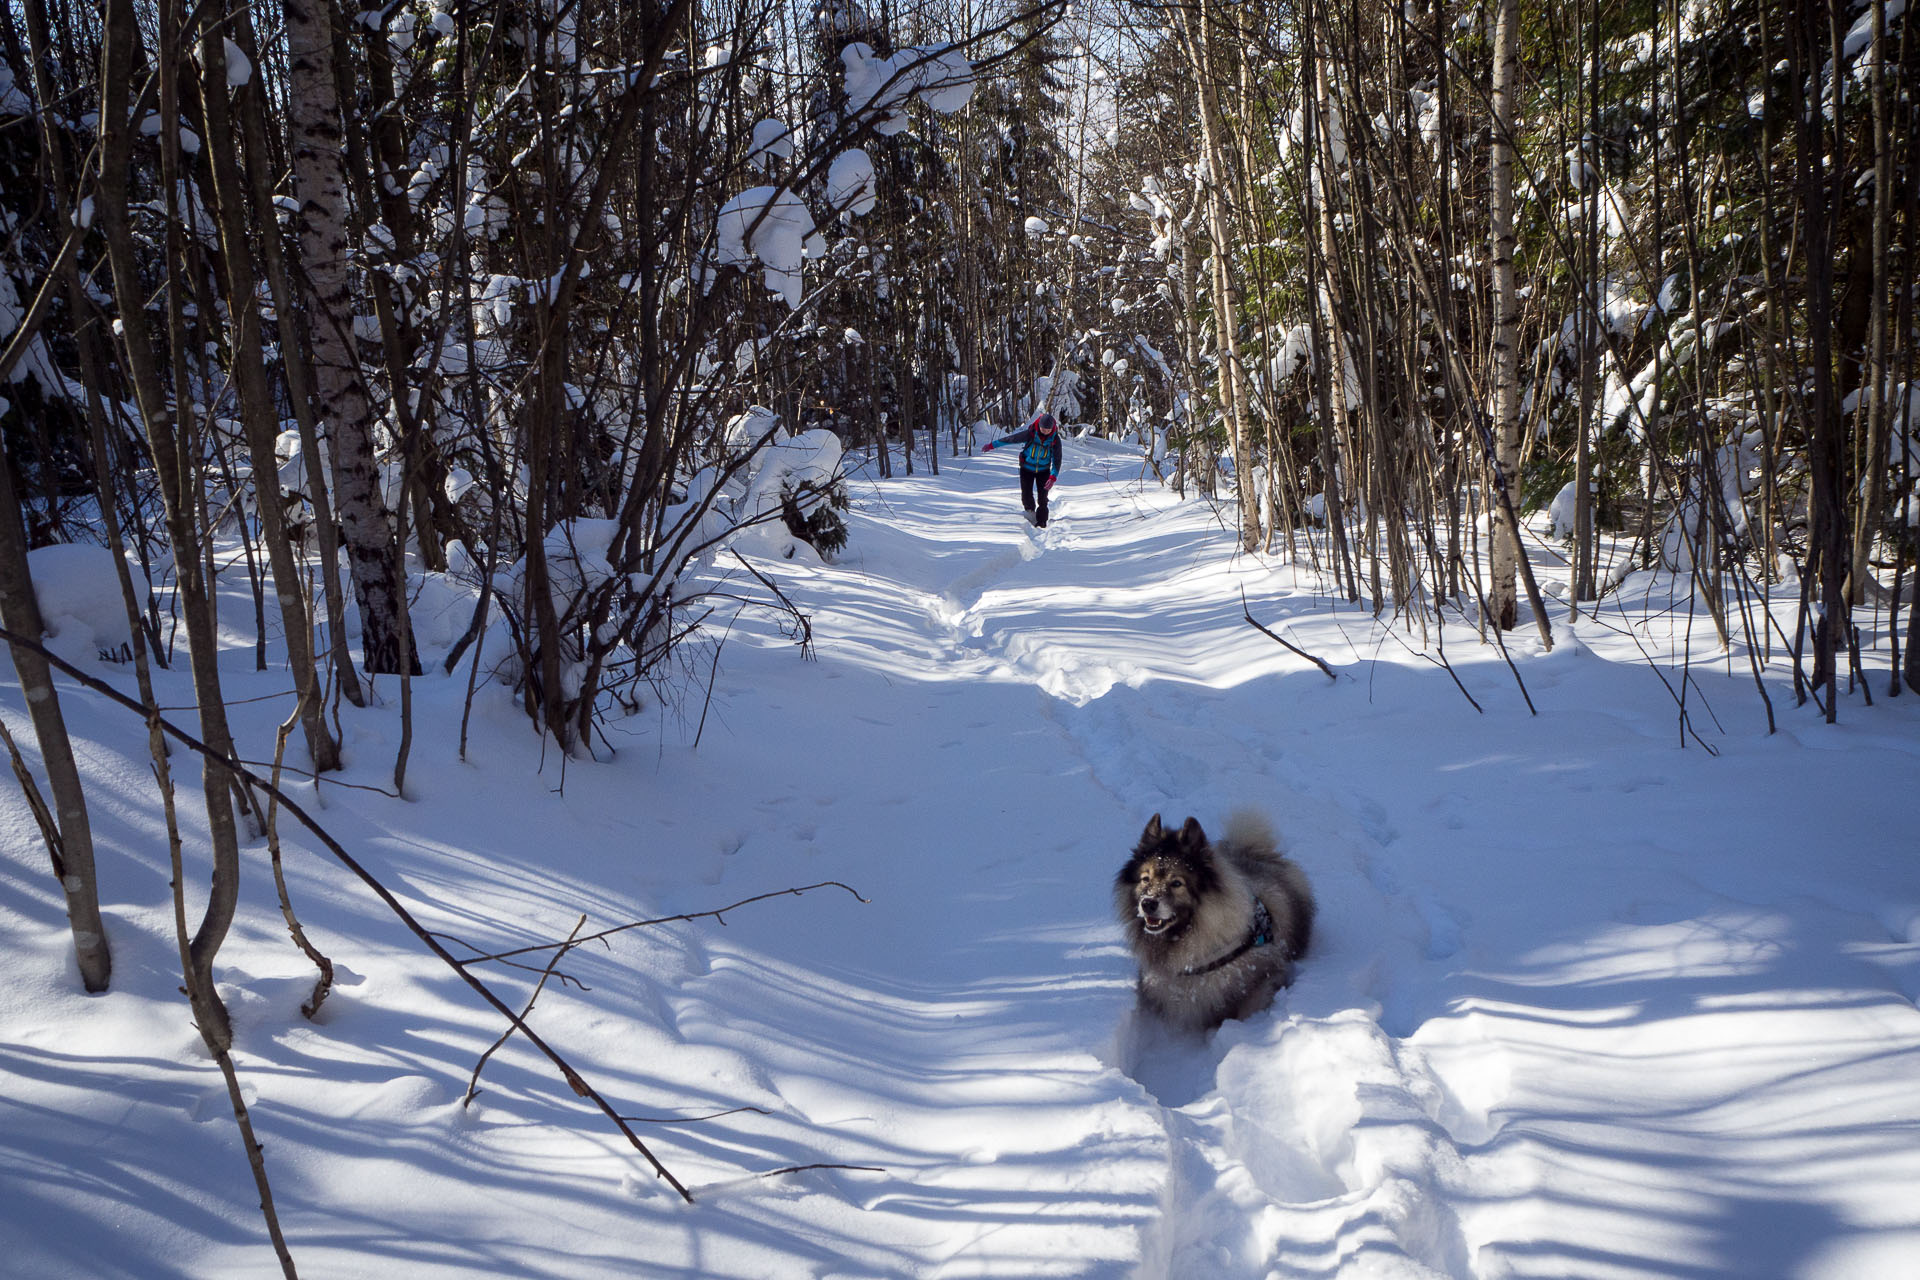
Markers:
(1154, 830)
(1191, 836)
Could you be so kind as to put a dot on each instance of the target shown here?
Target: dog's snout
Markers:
(1149, 904)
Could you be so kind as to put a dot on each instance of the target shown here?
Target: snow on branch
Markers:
(879, 88)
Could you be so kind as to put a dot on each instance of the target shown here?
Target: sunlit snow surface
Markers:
(1582, 1002)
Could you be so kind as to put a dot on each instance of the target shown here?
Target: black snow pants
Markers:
(1033, 495)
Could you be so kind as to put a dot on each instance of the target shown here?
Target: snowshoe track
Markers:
(1368, 1135)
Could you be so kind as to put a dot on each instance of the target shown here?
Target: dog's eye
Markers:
(1176, 884)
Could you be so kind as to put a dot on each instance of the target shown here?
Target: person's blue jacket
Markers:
(1042, 452)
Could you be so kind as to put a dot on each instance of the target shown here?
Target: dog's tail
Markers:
(1251, 835)
(1250, 830)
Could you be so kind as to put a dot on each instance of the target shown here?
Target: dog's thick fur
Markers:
(1187, 902)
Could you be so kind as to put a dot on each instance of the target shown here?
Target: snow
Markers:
(1561, 511)
(772, 140)
(746, 429)
(1860, 34)
(578, 565)
(805, 463)
(879, 88)
(1153, 202)
(1583, 1001)
(946, 82)
(1295, 354)
(77, 588)
(13, 100)
(771, 226)
(851, 187)
(36, 360)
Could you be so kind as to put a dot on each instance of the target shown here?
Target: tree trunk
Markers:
(20, 614)
(343, 403)
(174, 467)
(1827, 532)
(1503, 602)
(1873, 468)
(1202, 55)
(1336, 430)
(257, 415)
(298, 367)
(1588, 281)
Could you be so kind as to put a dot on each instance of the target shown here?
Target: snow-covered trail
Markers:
(1580, 1003)
(1291, 1143)
(1577, 992)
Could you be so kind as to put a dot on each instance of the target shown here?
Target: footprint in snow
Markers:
(1443, 928)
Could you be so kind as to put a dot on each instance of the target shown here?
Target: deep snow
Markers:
(1584, 1001)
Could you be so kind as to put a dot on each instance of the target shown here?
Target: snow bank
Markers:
(77, 587)
(745, 430)
(576, 552)
(440, 605)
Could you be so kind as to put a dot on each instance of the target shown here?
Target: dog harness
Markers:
(1259, 936)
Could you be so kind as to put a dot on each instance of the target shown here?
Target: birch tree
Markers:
(342, 402)
(1503, 595)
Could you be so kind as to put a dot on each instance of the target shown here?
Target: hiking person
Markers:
(1039, 463)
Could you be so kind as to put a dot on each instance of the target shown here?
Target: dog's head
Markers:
(1162, 885)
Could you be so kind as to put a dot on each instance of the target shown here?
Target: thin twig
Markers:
(473, 1082)
(713, 674)
(329, 779)
(1685, 721)
(1500, 640)
(806, 627)
(1441, 662)
(1290, 645)
(322, 985)
(792, 1168)
(730, 1111)
(716, 913)
(42, 816)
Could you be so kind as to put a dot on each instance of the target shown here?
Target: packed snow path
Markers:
(1581, 1002)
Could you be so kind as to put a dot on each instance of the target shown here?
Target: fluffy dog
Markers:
(1215, 927)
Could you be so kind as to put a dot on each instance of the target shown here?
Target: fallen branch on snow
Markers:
(1282, 640)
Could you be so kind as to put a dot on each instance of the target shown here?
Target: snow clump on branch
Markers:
(798, 473)
(879, 89)
(772, 140)
(851, 188)
(770, 225)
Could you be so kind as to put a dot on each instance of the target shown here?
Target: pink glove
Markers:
(988, 447)
(1050, 480)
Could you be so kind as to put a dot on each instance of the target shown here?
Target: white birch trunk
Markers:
(343, 406)
(1503, 601)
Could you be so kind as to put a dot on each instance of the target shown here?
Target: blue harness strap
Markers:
(1259, 936)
